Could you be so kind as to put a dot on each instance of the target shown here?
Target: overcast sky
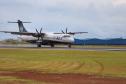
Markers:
(101, 18)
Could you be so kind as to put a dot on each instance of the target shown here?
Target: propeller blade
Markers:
(38, 38)
(37, 31)
(63, 32)
(66, 30)
(42, 38)
(40, 30)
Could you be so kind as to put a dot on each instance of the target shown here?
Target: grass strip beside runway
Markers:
(106, 63)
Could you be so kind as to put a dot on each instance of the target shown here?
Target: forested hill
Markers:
(95, 41)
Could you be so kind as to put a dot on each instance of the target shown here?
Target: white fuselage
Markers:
(63, 38)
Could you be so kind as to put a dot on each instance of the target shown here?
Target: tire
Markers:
(52, 45)
(69, 45)
(38, 45)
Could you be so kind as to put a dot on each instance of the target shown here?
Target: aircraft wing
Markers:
(23, 33)
(73, 33)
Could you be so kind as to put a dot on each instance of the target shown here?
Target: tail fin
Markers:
(20, 25)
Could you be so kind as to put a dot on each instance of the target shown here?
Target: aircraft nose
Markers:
(72, 40)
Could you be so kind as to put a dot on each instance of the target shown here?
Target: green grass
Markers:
(110, 63)
(14, 80)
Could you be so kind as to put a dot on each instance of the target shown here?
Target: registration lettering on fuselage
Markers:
(59, 38)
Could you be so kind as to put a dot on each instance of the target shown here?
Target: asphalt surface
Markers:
(65, 48)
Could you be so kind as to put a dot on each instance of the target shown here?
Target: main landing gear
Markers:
(69, 45)
(39, 44)
(52, 45)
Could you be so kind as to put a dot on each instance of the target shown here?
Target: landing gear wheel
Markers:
(52, 45)
(69, 45)
(38, 45)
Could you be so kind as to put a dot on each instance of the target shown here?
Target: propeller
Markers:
(65, 31)
(72, 33)
(39, 35)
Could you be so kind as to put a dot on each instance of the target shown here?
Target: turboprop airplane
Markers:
(43, 38)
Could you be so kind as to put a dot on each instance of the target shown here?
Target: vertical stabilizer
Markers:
(20, 25)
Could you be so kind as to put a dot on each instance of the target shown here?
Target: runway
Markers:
(84, 48)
